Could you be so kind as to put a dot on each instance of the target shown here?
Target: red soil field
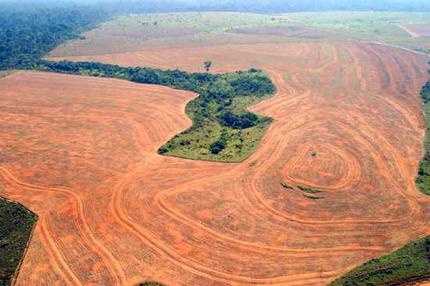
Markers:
(418, 30)
(294, 32)
(81, 153)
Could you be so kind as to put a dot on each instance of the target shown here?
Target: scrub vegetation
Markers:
(423, 178)
(16, 224)
(150, 283)
(407, 265)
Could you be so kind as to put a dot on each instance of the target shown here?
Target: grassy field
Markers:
(207, 22)
(139, 31)
(384, 27)
(16, 224)
(5, 73)
(402, 267)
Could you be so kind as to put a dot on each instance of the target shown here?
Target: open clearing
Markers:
(81, 153)
(177, 30)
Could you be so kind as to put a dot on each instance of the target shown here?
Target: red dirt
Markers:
(418, 30)
(114, 212)
(296, 32)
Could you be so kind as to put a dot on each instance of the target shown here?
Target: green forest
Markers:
(16, 224)
(423, 178)
(26, 35)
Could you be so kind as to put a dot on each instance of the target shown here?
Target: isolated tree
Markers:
(208, 65)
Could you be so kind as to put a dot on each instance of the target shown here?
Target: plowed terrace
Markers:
(81, 153)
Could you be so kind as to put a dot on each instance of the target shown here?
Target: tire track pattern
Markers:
(135, 215)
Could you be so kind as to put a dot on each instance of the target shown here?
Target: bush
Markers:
(217, 147)
(241, 121)
(150, 283)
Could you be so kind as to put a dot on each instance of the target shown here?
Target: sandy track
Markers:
(81, 152)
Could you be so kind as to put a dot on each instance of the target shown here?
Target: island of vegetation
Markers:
(308, 192)
(150, 283)
(423, 178)
(223, 129)
(16, 225)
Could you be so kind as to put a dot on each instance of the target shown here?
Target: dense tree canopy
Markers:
(26, 35)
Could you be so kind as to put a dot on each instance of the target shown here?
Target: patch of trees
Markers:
(425, 93)
(217, 103)
(218, 87)
(28, 33)
(16, 224)
(423, 178)
(151, 283)
(220, 144)
(239, 121)
(407, 265)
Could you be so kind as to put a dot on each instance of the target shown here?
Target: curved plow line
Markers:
(92, 242)
(249, 245)
(192, 266)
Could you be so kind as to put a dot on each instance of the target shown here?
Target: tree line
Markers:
(218, 90)
(423, 178)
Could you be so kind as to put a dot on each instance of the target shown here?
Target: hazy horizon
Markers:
(272, 6)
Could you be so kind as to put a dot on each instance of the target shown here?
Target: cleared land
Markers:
(111, 210)
(223, 129)
(419, 30)
(137, 32)
(147, 32)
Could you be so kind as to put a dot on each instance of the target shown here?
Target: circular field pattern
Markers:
(326, 167)
(81, 153)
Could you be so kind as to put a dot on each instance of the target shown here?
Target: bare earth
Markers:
(81, 153)
(418, 30)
